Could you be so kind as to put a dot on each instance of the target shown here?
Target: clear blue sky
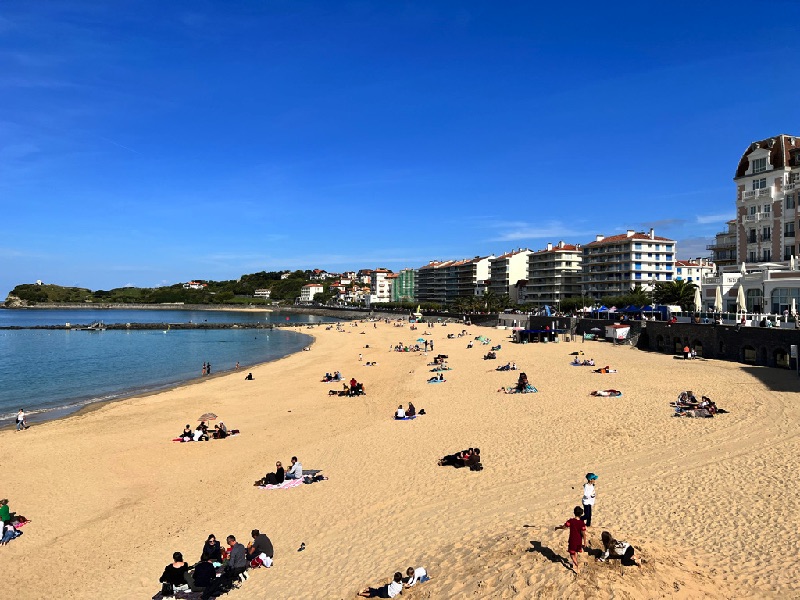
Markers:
(147, 143)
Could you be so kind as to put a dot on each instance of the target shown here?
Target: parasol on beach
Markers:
(697, 300)
(420, 339)
(793, 309)
(207, 417)
(791, 263)
(718, 300)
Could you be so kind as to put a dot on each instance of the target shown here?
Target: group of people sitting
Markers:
(402, 348)
(402, 414)
(507, 367)
(605, 369)
(335, 377)
(582, 363)
(354, 389)
(398, 583)
(201, 433)
(471, 457)
(490, 356)
(9, 523)
(688, 405)
(218, 567)
(295, 472)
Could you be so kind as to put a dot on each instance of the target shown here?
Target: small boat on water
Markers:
(96, 326)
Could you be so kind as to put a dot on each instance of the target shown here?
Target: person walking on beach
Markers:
(21, 420)
(208, 368)
(577, 537)
(203, 373)
(589, 493)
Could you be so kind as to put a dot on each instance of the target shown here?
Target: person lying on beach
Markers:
(415, 576)
(605, 369)
(8, 532)
(296, 470)
(617, 549)
(400, 413)
(436, 379)
(465, 458)
(390, 590)
(606, 393)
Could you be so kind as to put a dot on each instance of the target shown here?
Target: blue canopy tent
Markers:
(632, 309)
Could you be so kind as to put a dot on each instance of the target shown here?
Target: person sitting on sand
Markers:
(204, 573)
(296, 470)
(237, 557)
(390, 590)
(576, 361)
(435, 378)
(199, 434)
(261, 544)
(212, 548)
(411, 410)
(249, 377)
(617, 549)
(176, 573)
(415, 576)
(400, 414)
(275, 478)
(188, 434)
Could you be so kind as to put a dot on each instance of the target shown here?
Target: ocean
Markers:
(50, 373)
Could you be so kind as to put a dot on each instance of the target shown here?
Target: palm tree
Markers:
(678, 292)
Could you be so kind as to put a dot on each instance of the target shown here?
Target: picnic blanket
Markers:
(407, 418)
(291, 483)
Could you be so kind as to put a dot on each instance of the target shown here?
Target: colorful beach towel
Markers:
(407, 418)
(287, 484)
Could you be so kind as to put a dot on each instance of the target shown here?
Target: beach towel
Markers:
(407, 418)
(287, 484)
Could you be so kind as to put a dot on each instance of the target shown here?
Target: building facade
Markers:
(767, 186)
(308, 291)
(613, 266)
(695, 270)
(554, 273)
(380, 286)
(445, 281)
(404, 286)
(723, 250)
(506, 270)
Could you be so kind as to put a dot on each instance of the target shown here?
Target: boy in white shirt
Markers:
(588, 498)
(415, 576)
(390, 590)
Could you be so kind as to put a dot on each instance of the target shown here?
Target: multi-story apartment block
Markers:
(444, 282)
(506, 270)
(695, 270)
(380, 286)
(554, 273)
(404, 286)
(308, 291)
(767, 187)
(723, 250)
(614, 265)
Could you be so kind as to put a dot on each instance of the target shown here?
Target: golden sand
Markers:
(708, 503)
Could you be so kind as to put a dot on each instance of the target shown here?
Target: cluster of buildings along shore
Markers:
(756, 252)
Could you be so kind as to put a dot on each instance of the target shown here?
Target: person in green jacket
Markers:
(5, 512)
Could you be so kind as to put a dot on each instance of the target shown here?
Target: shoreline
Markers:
(66, 412)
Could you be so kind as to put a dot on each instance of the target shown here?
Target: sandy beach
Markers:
(706, 502)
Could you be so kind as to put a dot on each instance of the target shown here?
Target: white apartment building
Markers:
(554, 273)
(506, 270)
(723, 250)
(695, 270)
(767, 187)
(613, 265)
(262, 293)
(309, 290)
(380, 286)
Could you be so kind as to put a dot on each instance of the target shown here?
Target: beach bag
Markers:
(167, 590)
(272, 479)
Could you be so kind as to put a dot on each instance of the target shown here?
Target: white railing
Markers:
(757, 217)
(762, 193)
(790, 186)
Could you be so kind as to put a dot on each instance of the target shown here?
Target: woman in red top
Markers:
(577, 537)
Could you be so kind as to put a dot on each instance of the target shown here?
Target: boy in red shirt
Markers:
(577, 537)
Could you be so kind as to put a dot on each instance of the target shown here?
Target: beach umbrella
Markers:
(740, 301)
(207, 417)
(718, 300)
(793, 310)
(743, 270)
(697, 300)
(420, 339)
(791, 262)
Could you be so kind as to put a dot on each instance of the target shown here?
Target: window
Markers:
(753, 210)
(751, 256)
(637, 266)
(751, 236)
(759, 184)
(669, 277)
(637, 255)
(638, 275)
(788, 251)
(767, 255)
(790, 201)
(669, 257)
(766, 235)
(767, 208)
(759, 165)
(638, 245)
(788, 229)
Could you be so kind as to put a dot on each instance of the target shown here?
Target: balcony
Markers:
(753, 194)
(757, 217)
(790, 186)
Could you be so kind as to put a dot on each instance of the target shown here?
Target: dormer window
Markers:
(759, 165)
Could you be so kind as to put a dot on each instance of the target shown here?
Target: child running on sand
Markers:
(577, 537)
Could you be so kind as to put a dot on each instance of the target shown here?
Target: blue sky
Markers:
(148, 142)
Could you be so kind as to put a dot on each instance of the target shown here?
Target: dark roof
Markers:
(779, 147)
(642, 237)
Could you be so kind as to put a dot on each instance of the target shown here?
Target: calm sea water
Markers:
(50, 372)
